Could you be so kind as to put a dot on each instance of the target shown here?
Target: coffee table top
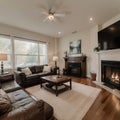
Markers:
(56, 79)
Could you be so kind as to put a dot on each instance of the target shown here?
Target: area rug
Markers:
(71, 104)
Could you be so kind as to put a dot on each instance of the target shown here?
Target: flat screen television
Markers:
(109, 38)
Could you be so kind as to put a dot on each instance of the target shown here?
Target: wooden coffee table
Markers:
(56, 83)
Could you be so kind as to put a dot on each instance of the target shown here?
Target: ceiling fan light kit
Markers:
(51, 17)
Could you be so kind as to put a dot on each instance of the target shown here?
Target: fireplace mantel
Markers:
(114, 51)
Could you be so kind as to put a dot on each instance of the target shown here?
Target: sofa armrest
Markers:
(32, 111)
(20, 77)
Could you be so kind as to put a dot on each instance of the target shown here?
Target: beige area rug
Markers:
(71, 104)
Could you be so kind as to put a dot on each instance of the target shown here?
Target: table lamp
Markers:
(3, 57)
(55, 59)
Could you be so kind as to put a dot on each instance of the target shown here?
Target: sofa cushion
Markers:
(44, 74)
(48, 111)
(39, 68)
(32, 76)
(26, 71)
(32, 111)
(32, 68)
(5, 103)
(19, 98)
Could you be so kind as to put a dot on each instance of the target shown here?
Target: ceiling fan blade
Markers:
(44, 13)
(45, 19)
(58, 19)
(59, 14)
(43, 7)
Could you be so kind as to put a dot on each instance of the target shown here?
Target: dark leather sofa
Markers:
(24, 107)
(33, 79)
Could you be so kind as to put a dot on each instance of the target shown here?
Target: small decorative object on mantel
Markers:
(97, 49)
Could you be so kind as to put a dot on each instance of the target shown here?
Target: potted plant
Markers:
(97, 49)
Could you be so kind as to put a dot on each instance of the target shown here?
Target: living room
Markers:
(26, 32)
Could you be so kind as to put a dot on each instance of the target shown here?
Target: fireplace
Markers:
(110, 73)
(74, 69)
(75, 66)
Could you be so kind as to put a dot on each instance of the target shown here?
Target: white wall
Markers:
(84, 36)
(13, 31)
(93, 55)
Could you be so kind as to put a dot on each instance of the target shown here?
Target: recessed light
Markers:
(59, 33)
(91, 19)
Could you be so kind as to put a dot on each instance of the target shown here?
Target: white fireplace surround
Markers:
(110, 55)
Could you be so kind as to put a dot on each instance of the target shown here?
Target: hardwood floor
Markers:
(106, 106)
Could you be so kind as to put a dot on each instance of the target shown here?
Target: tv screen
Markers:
(109, 38)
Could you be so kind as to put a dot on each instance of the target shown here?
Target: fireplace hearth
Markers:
(110, 73)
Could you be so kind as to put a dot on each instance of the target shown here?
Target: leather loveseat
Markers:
(32, 79)
(23, 107)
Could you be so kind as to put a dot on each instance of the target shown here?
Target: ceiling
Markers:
(26, 14)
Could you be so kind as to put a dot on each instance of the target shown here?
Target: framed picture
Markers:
(75, 47)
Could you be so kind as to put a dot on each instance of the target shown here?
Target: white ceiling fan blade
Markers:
(59, 14)
(43, 7)
(45, 19)
(58, 19)
(44, 13)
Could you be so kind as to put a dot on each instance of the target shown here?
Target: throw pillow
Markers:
(5, 103)
(47, 69)
(26, 71)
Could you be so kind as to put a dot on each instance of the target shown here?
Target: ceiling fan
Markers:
(52, 12)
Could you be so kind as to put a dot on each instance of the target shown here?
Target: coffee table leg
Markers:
(41, 85)
(70, 84)
(56, 90)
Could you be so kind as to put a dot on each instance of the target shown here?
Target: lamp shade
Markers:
(55, 58)
(3, 56)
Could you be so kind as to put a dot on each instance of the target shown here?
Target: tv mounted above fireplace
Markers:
(109, 38)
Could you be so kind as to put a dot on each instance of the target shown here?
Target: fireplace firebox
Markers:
(110, 73)
(74, 68)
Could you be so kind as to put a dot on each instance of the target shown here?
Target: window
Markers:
(26, 53)
(6, 47)
(43, 53)
(29, 53)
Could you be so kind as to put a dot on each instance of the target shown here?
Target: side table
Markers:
(7, 82)
(6, 77)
